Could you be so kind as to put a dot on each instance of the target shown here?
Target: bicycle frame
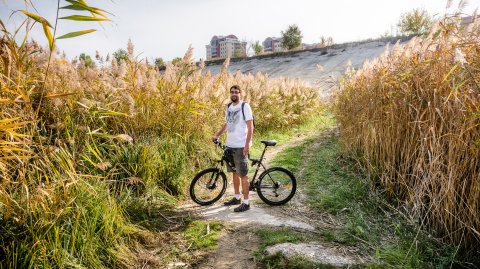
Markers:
(253, 183)
(258, 162)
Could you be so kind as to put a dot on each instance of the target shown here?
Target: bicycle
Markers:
(275, 185)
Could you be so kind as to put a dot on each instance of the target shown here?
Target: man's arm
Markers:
(219, 133)
(246, 149)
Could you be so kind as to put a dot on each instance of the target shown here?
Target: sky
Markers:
(166, 29)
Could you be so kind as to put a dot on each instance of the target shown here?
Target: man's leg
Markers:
(245, 187)
(236, 199)
(236, 183)
(242, 167)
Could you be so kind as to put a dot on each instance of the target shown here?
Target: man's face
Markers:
(234, 95)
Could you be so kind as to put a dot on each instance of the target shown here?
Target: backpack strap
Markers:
(253, 118)
(243, 110)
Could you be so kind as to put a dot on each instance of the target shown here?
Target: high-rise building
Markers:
(221, 47)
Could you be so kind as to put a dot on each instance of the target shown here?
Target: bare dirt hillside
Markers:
(305, 65)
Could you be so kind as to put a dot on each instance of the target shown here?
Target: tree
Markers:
(415, 22)
(87, 60)
(159, 62)
(176, 60)
(292, 37)
(120, 54)
(257, 48)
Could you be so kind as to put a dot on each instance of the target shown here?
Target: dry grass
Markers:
(413, 118)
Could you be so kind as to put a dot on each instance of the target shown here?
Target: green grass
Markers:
(295, 262)
(334, 185)
(203, 235)
(270, 237)
(284, 158)
(318, 121)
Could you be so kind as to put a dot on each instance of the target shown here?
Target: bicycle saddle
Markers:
(269, 142)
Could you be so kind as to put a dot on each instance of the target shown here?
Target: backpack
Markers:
(243, 112)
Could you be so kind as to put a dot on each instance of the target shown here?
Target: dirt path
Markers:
(236, 247)
(238, 242)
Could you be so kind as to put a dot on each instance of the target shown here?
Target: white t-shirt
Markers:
(236, 126)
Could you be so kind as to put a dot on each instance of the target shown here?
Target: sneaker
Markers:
(233, 201)
(242, 207)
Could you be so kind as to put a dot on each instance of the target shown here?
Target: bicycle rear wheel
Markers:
(208, 186)
(276, 186)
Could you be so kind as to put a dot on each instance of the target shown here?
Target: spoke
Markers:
(276, 186)
(208, 186)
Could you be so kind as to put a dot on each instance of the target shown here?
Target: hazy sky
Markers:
(166, 28)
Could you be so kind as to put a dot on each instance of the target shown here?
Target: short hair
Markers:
(236, 87)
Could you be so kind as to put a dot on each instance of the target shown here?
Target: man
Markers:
(239, 127)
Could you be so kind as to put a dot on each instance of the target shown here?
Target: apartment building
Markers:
(272, 44)
(221, 47)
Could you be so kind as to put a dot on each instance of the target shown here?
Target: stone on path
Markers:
(315, 252)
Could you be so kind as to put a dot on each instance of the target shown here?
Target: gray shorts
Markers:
(241, 162)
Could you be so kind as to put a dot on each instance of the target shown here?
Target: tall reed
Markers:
(412, 116)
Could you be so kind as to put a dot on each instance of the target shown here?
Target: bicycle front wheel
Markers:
(208, 186)
(276, 186)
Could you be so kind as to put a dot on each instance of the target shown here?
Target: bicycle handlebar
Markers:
(222, 146)
(218, 143)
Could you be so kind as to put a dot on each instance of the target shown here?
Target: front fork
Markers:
(213, 180)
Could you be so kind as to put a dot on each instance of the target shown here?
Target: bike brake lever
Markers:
(218, 143)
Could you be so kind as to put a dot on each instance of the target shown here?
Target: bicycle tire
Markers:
(195, 193)
(267, 185)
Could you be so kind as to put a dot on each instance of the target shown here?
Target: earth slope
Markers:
(319, 68)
